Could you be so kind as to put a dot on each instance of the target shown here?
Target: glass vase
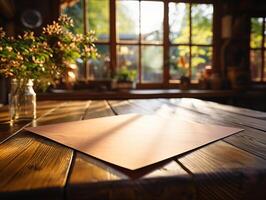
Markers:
(22, 100)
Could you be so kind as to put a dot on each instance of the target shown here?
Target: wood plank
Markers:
(220, 170)
(94, 179)
(237, 110)
(69, 111)
(98, 109)
(201, 106)
(251, 140)
(124, 107)
(7, 130)
(32, 167)
(87, 170)
(42, 108)
(161, 107)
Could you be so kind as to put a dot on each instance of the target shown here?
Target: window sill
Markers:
(143, 94)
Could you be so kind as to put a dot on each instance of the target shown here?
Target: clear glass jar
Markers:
(22, 100)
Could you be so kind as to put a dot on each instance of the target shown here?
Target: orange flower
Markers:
(182, 62)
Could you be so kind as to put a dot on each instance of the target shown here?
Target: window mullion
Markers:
(166, 42)
(112, 14)
(139, 59)
(85, 30)
(262, 51)
(190, 42)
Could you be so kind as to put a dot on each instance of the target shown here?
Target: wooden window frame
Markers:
(262, 48)
(166, 44)
(190, 44)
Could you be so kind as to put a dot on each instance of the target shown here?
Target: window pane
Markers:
(202, 15)
(152, 63)
(98, 14)
(201, 57)
(179, 22)
(152, 21)
(179, 62)
(99, 68)
(265, 32)
(127, 20)
(75, 12)
(264, 75)
(127, 58)
(255, 65)
(256, 32)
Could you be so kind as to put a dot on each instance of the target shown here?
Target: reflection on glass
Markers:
(99, 69)
(98, 14)
(152, 63)
(179, 22)
(256, 32)
(255, 65)
(75, 12)
(151, 21)
(202, 16)
(201, 57)
(127, 57)
(179, 62)
(127, 20)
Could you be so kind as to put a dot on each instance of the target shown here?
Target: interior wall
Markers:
(7, 16)
(49, 10)
(235, 49)
(10, 20)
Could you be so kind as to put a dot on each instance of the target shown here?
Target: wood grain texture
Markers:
(124, 107)
(202, 106)
(96, 180)
(32, 167)
(69, 111)
(93, 179)
(43, 107)
(7, 130)
(237, 110)
(222, 171)
(87, 170)
(98, 109)
(35, 168)
(4, 114)
(251, 140)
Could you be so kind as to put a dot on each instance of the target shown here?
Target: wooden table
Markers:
(32, 167)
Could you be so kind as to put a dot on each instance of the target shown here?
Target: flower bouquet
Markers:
(42, 60)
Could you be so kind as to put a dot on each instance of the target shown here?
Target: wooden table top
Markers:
(32, 167)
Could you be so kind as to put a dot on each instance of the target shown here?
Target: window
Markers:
(97, 18)
(160, 40)
(257, 50)
(139, 42)
(190, 39)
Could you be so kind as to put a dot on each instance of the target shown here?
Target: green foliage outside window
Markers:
(201, 31)
(256, 32)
